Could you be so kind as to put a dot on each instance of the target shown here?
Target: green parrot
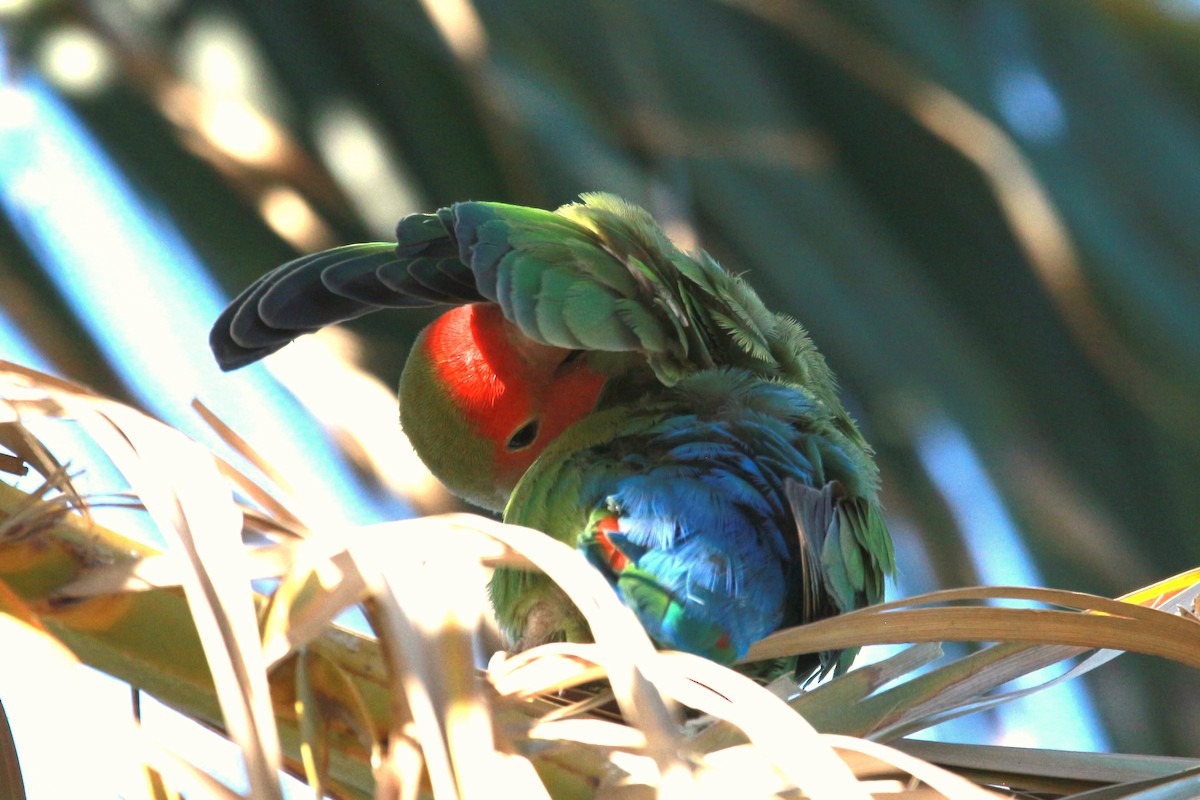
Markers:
(640, 404)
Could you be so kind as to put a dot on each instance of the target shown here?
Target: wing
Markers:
(336, 285)
(598, 275)
(845, 553)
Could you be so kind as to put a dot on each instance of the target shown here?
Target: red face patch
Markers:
(477, 369)
(503, 381)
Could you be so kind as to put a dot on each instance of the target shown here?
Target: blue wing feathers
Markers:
(707, 537)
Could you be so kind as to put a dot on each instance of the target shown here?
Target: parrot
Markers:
(638, 403)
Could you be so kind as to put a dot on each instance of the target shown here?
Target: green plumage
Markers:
(692, 322)
(718, 482)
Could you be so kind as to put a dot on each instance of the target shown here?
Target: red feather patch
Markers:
(616, 559)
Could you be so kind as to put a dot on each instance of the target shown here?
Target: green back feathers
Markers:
(717, 318)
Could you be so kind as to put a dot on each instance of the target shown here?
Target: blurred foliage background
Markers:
(985, 211)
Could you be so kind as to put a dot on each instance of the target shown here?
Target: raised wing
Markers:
(599, 275)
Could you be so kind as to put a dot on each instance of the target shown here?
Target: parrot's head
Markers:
(480, 401)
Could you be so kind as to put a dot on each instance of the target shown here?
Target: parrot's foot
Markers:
(551, 619)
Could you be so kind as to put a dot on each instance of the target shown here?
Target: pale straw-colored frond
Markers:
(421, 706)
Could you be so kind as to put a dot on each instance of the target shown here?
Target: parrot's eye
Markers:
(568, 361)
(524, 436)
